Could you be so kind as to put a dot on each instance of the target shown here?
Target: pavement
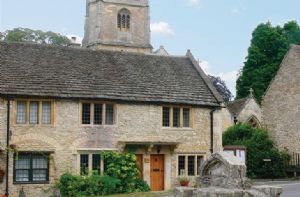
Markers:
(290, 188)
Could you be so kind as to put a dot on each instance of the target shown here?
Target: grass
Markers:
(147, 194)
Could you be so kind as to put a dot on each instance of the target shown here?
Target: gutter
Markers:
(7, 145)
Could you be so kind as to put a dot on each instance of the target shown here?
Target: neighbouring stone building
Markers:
(245, 110)
(281, 103)
(68, 104)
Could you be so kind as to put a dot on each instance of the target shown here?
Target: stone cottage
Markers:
(281, 103)
(68, 104)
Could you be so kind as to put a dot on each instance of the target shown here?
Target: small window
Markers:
(181, 165)
(186, 117)
(188, 165)
(21, 112)
(46, 112)
(98, 114)
(84, 164)
(96, 164)
(86, 113)
(176, 117)
(109, 117)
(166, 116)
(31, 168)
(34, 112)
(123, 20)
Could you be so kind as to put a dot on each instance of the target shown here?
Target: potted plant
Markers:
(2, 173)
(184, 181)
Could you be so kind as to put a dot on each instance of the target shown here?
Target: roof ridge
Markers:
(87, 49)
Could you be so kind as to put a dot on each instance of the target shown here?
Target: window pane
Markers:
(98, 114)
(39, 175)
(186, 117)
(166, 116)
(22, 162)
(176, 117)
(21, 112)
(96, 163)
(22, 175)
(109, 114)
(33, 112)
(84, 164)
(191, 165)
(199, 163)
(181, 165)
(86, 113)
(39, 162)
(46, 113)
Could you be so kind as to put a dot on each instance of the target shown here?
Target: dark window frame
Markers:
(31, 169)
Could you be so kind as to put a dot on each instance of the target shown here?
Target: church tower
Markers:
(118, 25)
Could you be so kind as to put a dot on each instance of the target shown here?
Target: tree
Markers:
(221, 87)
(268, 46)
(34, 36)
(259, 147)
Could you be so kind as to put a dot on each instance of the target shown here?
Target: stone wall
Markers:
(134, 122)
(227, 119)
(281, 104)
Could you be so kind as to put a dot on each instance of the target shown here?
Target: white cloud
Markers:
(193, 2)
(162, 28)
(205, 67)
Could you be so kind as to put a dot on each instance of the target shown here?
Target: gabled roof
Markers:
(62, 72)
(235, 107)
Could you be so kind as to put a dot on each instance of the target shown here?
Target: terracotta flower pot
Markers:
(184, 183)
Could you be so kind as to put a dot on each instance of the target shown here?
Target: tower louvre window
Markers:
(123, 20)
(119, 21)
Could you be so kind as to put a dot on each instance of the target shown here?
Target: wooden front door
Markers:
(139, 160)
(157, 171)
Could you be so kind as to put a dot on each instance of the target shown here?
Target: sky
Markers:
(218, 32)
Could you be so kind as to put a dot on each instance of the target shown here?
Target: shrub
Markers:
(259, 147)
(94, 185)
(122, 176)
(123, 166)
